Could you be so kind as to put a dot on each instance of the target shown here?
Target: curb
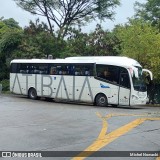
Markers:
(152, 105)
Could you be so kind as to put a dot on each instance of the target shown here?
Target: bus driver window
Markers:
(106, 74)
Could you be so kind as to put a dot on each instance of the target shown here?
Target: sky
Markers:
(9, 9)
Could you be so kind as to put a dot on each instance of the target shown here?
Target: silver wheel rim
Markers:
(32, 93)
(102, 100)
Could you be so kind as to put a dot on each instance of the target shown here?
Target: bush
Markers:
(5, 85)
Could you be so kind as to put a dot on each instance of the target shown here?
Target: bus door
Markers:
(124, 88)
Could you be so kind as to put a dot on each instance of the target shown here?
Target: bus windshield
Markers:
(139, 81)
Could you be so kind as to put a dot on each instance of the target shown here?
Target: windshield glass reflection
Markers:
(139, 81)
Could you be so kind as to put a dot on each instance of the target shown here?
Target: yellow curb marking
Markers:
(104, 138)
(158, 158)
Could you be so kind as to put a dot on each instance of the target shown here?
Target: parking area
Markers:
(39, 125)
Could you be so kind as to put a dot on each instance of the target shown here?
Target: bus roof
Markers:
(111, 60)
(115, 60)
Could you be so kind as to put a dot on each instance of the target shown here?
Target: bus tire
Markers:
(32, 93)
(101, 100)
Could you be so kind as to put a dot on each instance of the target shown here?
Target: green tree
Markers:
(10, 37)
(9, 42)
(37, 42)
(3, 68)
(76, 43)
(96, 43)
(11, 23)
(102, 43)
(141, 41)
(65, 13)
(149, 11)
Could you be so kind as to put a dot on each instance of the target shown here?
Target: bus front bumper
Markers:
(136, 100)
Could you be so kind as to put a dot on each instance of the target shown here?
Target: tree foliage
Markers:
(10, 37)
(102, 42)
(65, 13)
(37, 42)
(11, 23)
(141, 41)
(96, 43)
(149, 11)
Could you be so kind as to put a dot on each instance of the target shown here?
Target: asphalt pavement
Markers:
(83, 130)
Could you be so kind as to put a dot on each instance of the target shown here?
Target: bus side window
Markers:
(108, 72)
(13, 68)
(87, 73)
(38, 68)
(53, 71)
(24, 68)
(77, 69)
(124, 78)
(59, 69)
(83, 69)
(72, 69)
(42, 68)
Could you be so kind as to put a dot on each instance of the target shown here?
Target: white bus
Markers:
(102, 80)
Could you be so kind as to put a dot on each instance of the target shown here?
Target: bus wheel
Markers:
(101, 100)
(32, 94)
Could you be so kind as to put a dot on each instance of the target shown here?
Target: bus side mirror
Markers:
(150, 73)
